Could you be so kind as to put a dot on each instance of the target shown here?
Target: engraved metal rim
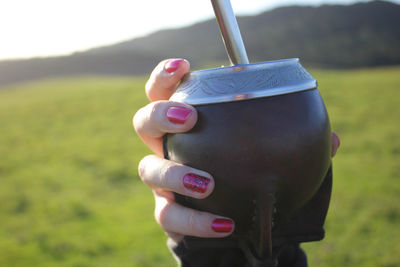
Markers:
(195, 90)
(239, 97)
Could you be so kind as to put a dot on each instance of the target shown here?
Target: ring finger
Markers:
(157, 172)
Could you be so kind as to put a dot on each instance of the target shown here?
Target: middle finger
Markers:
(157, 118)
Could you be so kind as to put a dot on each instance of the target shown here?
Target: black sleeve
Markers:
(212, 257)
(289, 256)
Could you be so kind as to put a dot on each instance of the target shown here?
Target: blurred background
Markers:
(72, 75)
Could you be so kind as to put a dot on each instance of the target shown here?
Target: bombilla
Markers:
(230, 32)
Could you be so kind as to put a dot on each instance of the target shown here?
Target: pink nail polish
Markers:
(222, 225)
(196, 182)
(173, 65)
(178, 114)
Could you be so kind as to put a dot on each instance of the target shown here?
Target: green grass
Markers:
(70, 194)
(69, 190)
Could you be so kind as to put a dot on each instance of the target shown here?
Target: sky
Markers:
(55, 27)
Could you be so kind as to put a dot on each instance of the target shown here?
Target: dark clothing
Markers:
(290, 256)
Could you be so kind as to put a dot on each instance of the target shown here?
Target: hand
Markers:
(164, 176)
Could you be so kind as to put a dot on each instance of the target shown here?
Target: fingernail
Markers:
(222, 225)
(172, 66)
(195, 182)
(178, 114)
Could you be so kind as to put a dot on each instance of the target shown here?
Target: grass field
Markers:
(70, 194)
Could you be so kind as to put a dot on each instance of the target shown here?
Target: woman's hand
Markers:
(164, 176)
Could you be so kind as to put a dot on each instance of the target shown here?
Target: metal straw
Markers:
(230, 32)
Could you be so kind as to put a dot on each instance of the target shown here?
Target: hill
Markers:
(335, 36)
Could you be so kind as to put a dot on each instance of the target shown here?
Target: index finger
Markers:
(165, 78)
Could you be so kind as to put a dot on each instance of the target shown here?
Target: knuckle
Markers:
(155, 111)
(136, 120)
(142, 169)
(167, 172)
(148, 86)
(153, 77)
(191, 221)
(149, 120)
(161, 215)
